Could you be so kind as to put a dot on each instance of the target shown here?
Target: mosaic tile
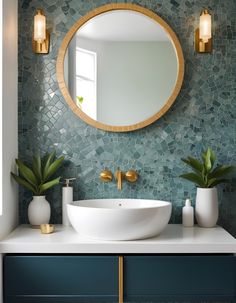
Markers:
(204, 113)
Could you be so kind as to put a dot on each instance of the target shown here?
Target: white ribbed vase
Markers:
(39, 211)
(206, 208)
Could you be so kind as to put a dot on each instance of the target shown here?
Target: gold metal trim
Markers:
(121, 279)
(47, 228)
(131, 176)
(41, 48)
(81, 22)
(200, 46)
(106, 176)
(119, 177)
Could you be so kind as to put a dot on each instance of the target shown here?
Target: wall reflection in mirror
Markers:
(121, 67)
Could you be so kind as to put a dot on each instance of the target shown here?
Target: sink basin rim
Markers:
(120, 204)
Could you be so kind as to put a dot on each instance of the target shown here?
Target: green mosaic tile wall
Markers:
(203, 115)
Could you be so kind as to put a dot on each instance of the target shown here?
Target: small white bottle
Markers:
(67, 197)
(188, 214)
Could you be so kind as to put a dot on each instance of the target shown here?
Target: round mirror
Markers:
(120, 67)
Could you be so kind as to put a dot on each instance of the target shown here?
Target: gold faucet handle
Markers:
(106, 176)
(131, 176)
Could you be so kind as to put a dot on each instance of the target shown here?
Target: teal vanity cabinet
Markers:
(109, 278)
(179, 277)
(60, 279)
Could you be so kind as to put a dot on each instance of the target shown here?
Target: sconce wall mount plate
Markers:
(41, 48)
(200, 46)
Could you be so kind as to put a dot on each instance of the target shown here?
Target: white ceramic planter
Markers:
(206, 209)
(39, 211)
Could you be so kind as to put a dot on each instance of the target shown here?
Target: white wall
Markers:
(8, 219)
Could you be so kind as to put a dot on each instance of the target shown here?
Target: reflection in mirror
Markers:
(120, 67)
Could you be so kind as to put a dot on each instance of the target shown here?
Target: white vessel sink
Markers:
(119, 219)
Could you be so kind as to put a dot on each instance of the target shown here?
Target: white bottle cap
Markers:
(188, 202)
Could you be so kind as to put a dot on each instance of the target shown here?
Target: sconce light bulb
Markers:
(39, 27)
(205, 27)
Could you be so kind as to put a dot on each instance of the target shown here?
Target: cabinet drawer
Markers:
(151, 278)
(60, 278)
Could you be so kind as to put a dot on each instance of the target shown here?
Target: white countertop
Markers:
(174, 239)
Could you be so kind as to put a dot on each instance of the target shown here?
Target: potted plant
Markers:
(206, 175)
(38, 178)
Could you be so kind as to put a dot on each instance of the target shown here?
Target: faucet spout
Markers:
(119, 179)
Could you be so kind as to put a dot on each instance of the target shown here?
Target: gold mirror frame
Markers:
(74, 29)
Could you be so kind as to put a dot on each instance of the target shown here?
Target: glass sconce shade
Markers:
(205, 26)
(39, 27)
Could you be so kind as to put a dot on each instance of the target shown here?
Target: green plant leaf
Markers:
(46, 186)
(37, 169)
(54, 166)
(47, 162)
(220, 171)
(203, 172)
(26, 173)
(80, 99)
(24, 183)
(192, 177)
(207, 163)
(212, 157)
(210, 182)
(218, 181)
(205, 175)
(194, 164)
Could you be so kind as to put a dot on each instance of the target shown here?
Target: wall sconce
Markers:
(41, 36)
(203, 36)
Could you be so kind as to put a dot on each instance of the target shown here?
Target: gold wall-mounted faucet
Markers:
(119, 176)
(130, 175)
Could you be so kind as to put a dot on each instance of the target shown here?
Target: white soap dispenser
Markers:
(188, 214)
(67, 197)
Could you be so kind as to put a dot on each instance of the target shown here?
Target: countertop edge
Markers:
(174, 240)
